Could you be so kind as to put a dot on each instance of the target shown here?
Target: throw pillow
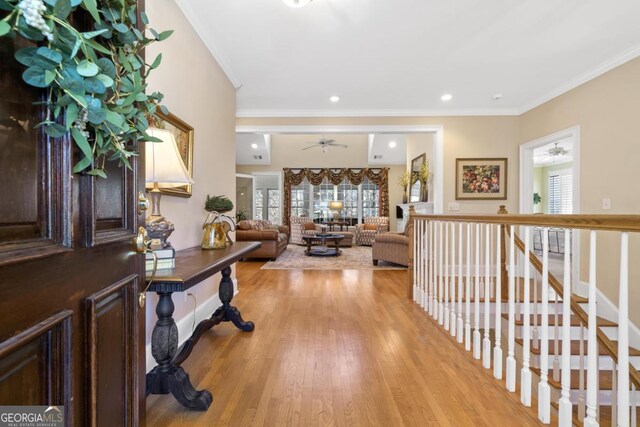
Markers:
(309, 226)
(244, 225)
(370, 227)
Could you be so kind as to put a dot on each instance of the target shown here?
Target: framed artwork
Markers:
(183, 133)
(481, 179)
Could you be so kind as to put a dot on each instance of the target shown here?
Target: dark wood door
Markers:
(71, 330)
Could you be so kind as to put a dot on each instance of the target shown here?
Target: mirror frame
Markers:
(416, 164)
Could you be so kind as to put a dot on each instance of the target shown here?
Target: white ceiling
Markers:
(542, 157)
(397, 57)
(379, 146)
(246, 155)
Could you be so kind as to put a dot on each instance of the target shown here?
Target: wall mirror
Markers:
(416, 164)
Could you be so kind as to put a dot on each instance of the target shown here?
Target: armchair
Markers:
(302, 226)
(365, 233)
(391, 247)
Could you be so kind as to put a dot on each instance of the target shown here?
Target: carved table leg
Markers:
(168, 377)
(229, 312)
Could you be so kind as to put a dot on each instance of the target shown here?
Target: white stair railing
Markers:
(467, 293)
(511, 361)
(460, 326)
(565, 407)
(525, 373)
(486, 342)
(623, 335)
(592, 343)
(452, 282)
(544, 391)
(476, 298)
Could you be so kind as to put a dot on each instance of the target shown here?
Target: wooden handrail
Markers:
(606, 343)
(629, 223)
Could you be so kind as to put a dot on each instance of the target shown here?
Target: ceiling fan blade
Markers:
(311, 142)
(313, 146)
(339, 145)
(328, 141)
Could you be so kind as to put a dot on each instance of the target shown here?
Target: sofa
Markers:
(373, 225)
(304, 226)
(391, 247)
(274, 238)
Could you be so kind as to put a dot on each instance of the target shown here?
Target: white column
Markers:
(497, 349)
(446, 276)
(476, 299)
(460, 328)
(525, 373)
(452, 281)
(486, 342)
(623, 334)
(467, 291)
(592, 343)
(544, 391)
(511, 360)
(565, 409)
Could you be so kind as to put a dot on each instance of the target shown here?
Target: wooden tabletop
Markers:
(195, 264)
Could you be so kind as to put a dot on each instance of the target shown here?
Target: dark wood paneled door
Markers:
(71, 330)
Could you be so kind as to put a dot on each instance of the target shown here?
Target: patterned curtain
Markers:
(378, 176)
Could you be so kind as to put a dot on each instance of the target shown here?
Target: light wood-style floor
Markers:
(336, 348)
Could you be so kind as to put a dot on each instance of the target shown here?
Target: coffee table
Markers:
(321, 240)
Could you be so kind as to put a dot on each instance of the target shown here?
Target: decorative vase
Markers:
(424, 193)
(404, 198)
(216, 232)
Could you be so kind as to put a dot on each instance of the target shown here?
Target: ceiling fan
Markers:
(325, 144)
(552, 152)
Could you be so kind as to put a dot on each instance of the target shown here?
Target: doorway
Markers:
(244, 196)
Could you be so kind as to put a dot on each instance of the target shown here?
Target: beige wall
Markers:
(490, 136)
(606, 109)
(197, 91)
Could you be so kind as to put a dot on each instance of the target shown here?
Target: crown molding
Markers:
(607, 65)
(209, 41)
(377, 113)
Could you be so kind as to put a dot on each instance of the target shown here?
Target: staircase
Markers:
(541, 339)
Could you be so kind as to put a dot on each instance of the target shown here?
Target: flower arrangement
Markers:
(424, 174)
(94, 80)
(404, 180)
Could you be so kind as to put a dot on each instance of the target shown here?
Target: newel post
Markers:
(411, 274)
(503, 253)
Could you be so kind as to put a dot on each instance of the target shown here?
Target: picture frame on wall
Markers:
(481, 179)
(184, 134)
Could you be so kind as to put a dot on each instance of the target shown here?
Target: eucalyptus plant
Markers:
(94, 80)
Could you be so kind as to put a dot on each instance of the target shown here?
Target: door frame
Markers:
(253, 189)
(526, 185)
(437, 130)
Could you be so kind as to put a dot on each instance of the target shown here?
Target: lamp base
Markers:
(159, 228)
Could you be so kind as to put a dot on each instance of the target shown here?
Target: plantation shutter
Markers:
(561, 192)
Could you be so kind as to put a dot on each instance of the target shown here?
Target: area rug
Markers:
(354, 258)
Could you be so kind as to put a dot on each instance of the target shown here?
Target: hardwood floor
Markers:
(336, 348)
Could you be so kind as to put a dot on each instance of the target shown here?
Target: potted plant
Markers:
(216, 234)
(403, 181)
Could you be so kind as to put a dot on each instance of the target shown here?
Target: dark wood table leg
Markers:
(168, 377)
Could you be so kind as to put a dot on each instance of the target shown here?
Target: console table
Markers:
(193, 265)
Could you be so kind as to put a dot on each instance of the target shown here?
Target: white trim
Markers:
(241, 112)
(186, 6)
(203, 311)
(438, 152)
(253, 191)
(598, 70)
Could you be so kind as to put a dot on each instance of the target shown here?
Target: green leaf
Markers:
(91, 34)
(87, 69)
(106, 80)
(82, 164)
(55, 130)
(76, 47)
(114, 118)
(120, 27)
(77, 97)
(4, 28)
(25, 55)
(82, 143)
(96, 116)
(157, 61)
(49, 54)
(145, 19)
(71, 114)
(164, 35)
(94, 85)
(62, 9)
(92, 7)
(75, 3)
(98, 47)
(107, 67)
(38, 76)
(5, 6)
(97, 172)
(164, 109)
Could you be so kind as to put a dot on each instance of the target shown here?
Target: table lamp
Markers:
(164, 168)
(336, 206)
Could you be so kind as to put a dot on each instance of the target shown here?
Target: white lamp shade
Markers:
(336, 205)
(296, 3)
(164, 165)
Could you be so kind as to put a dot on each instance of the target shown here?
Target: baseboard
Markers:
(203, 311)
(609, 311)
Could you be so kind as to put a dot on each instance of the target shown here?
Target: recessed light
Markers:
(446, 97)
(254, 146)
(296, 3)
(496, 96)
(392, 144)
(334, 98)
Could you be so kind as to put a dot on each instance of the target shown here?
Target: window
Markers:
(560, 192)
(300, 199)
(322, 195)
(259, 204)
(370, 199)
(273, 205)
(348, 194)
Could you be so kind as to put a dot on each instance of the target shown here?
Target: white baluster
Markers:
(556, 360)
(467, 291)
(525, 374)
(535, 337)
(476, 306)
(581, 380)
(436, 264)
(452, 281)
(592, 344)
(427, 254)
(416, 264)
(565, 410)
(623, 334)
(634, 415)
(486, 342)
(544, 391)
(497, 350)
(440, 278)
(446, 276)
(614, 398)
(460, 333)
(421, 291)
(431, 268)
(511, 360)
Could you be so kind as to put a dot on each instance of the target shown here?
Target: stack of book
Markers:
(166, 257)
